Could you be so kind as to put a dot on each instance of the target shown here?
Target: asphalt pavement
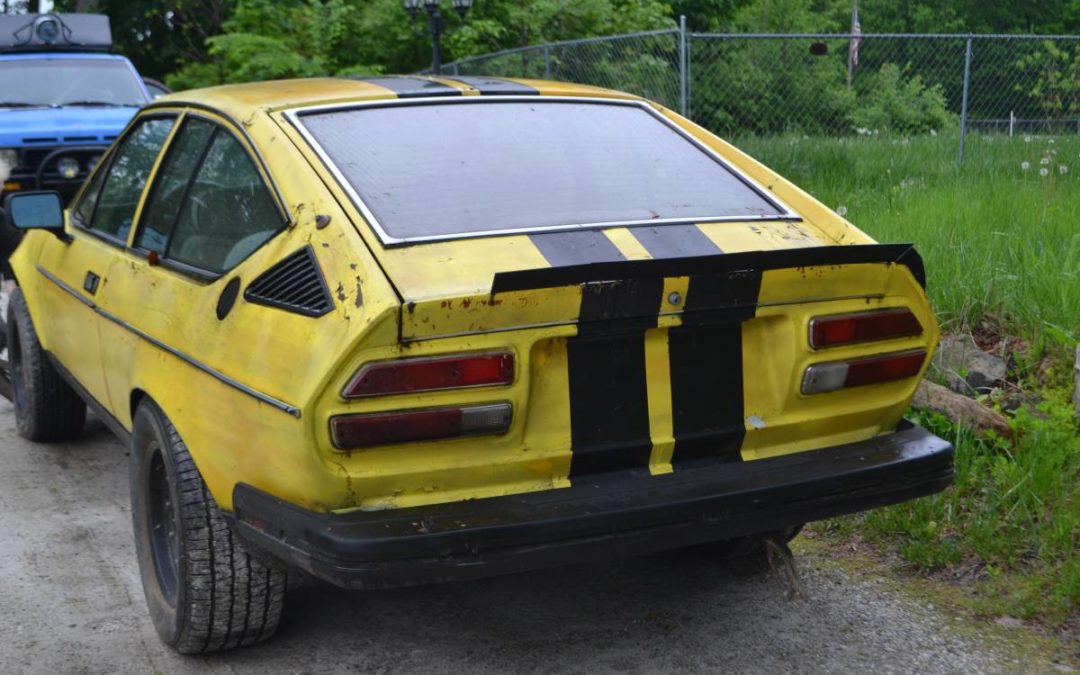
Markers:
(71, 602)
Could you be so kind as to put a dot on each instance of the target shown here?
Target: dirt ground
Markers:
(71, 602)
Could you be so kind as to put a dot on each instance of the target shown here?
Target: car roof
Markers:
(238, 100)
(59, 54)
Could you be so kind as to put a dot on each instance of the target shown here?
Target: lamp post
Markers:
(435, 24)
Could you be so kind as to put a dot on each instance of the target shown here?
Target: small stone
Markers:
(967, 369)
(1009, 622)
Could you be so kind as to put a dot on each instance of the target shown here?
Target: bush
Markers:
(900, 105)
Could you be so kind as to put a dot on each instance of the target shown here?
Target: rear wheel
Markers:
(203, 590)
(46, 407)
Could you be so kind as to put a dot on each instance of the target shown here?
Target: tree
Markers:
(161, 35)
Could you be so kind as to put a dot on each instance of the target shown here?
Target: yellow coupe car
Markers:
(399, 330)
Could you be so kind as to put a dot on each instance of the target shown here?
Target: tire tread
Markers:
(232, 600)
(51, 410)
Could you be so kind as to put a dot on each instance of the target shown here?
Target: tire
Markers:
(204, 592)
(747, 548)
(46, 407)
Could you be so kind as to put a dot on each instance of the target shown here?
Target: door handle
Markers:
(90, 284)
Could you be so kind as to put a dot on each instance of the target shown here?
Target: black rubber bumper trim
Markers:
(593, 520)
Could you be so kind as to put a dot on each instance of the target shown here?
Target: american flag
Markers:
(856, 36)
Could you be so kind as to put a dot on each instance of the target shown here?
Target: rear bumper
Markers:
(610, 517)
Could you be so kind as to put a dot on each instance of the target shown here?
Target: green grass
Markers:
(996, 239)
(1002, 242)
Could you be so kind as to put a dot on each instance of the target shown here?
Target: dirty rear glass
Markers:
(444, 170)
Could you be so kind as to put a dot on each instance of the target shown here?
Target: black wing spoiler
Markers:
(712, 265)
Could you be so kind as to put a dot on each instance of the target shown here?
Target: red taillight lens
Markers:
(846, 329)
(823, 377)
(431, 374)
(350, 432)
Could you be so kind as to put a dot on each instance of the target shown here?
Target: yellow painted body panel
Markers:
(425, 300)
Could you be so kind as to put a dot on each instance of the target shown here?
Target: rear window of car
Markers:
(444, 170)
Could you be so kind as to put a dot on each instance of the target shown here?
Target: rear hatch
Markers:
(657, 300)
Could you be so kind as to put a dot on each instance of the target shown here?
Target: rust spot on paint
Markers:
(465, 303)
(340, 291)
(359, 293)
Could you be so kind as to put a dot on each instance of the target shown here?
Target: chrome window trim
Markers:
(293, 116)
(190, 106)
(221, 377)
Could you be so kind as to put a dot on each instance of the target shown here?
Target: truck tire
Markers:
(204, 592)
(46, 407)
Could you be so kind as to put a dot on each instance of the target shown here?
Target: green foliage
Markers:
(268, 40)
(160, 36)
(997, 239)
(902, 105)
(1013, 514)
(1056, 82)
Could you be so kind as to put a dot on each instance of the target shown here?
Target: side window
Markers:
(170, 187)
(84, 212)
(227, 212)
(127, 176)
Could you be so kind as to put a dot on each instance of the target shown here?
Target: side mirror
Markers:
(35, 211)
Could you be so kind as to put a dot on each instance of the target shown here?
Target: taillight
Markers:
(823, 377)
(431, 374)
(846, 329)
(350, 432)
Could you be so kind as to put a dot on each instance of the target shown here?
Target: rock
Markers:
(968, 369)
(1076, 390)
(960, 409)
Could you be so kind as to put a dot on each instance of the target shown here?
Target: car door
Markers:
(206, 211)
(101, 220)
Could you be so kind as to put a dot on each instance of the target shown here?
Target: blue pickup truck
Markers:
(63, 99)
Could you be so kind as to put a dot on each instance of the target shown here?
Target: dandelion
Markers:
(1044, 161)
(1044, 172)
(1027, 139)
(841, 211)
(1025, 165)
(933, 132)
(1050, 141)
(1062, 169)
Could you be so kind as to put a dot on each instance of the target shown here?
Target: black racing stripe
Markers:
(706, 358)
(706, 392)
(609, 396)
(675, 241)
(488, 86)
(411, 87)
(576, 247)
(619, 307)
(609, 404)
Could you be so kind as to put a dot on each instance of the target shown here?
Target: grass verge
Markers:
(1001, 240)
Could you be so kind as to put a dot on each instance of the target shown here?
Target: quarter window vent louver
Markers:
(295, 284)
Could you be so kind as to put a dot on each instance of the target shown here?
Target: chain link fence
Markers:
(741, 85)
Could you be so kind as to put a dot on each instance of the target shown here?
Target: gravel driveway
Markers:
(71, 602)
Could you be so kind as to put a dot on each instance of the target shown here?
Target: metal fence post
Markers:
(547, 61)
(964, 100)
(683, 79)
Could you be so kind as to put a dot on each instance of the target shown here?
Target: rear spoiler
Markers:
(712, 265)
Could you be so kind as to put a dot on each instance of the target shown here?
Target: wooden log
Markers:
(960, 409)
